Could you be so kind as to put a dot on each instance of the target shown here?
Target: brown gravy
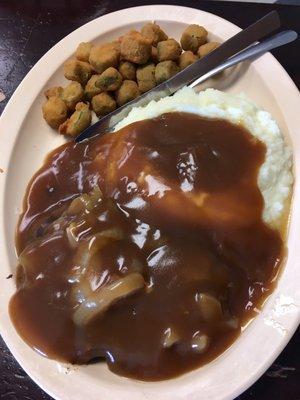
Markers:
(181, 192)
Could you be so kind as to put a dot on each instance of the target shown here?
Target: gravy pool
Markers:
(145, 247)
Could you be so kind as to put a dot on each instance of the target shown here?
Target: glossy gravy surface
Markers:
(181, 214)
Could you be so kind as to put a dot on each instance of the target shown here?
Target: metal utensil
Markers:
(237, 43)
(254, 51)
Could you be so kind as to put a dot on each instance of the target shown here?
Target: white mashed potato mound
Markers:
(275, 177)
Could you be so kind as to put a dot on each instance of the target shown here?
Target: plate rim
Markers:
(4, 162)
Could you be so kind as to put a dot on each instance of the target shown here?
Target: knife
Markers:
(235, 44)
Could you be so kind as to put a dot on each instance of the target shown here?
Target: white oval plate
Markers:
(25, 139)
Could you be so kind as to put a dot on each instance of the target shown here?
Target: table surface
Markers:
(28, 29)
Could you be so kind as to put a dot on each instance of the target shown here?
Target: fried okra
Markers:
(103, 57)
(78, 71)
(109, 80)
(127, 91)
(128, 70)
(153, 33)
(135, 48)
(78, 122)
(165, 70)
(91, 89)
(207, 48)
(55, 111)
(168, 50)
(145, 75)
(154, 55)
(193, 37)
(133, 64)
(72, 94)
(103, 104)
(115, 45)
(186, 58)
(83, 51)
(54, 91)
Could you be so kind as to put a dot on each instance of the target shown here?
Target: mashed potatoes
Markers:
(275, 177)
